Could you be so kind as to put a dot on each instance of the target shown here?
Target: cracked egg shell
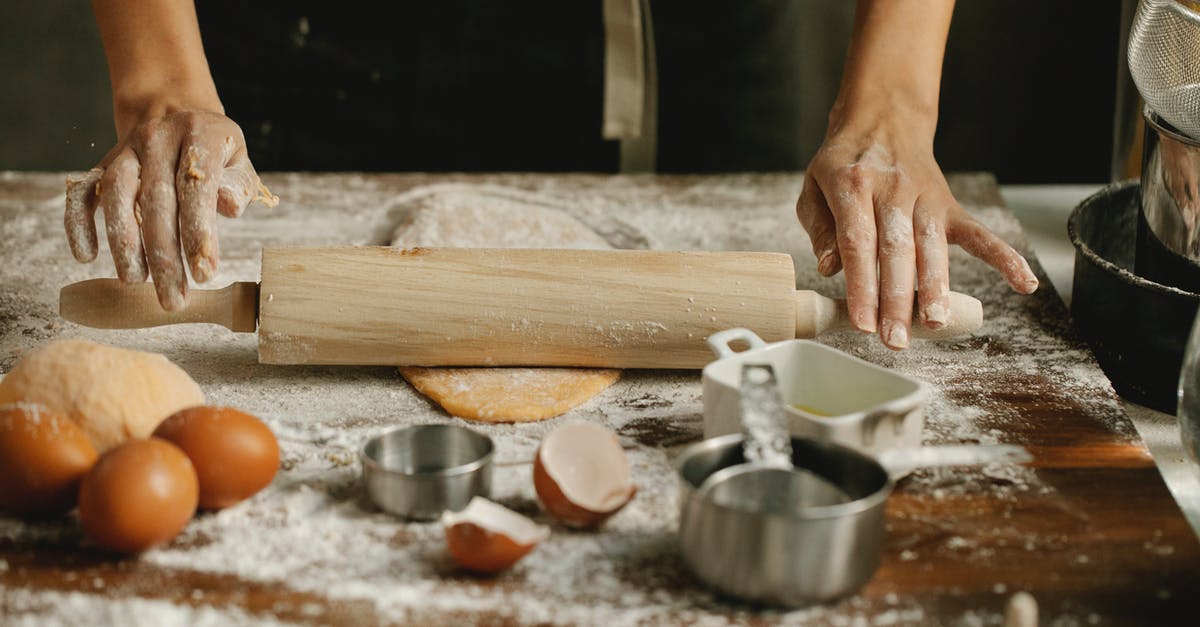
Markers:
(486, 537)
(581, 474)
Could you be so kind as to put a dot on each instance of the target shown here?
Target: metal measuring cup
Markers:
(419, 471)
(794, 554)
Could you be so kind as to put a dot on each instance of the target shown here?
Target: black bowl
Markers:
(1136, 327)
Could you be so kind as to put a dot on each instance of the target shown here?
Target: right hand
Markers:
(160, 189)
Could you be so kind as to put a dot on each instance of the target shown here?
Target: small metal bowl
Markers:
(418, 472)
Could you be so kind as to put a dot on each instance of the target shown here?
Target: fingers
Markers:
(856, 241)
(238, 187)
(894, 225)
(79, 219)
(817, 220)
(974, 238)
(933, 268)
(158, 207)
(118, 188)
(196, 180)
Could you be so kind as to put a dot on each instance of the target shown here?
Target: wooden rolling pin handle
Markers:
(816, 314)
(111, 304)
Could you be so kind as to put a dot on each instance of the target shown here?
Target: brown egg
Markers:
(487, 537)
(234, 453)
(581, 474)
(43, 457)
(139, 495)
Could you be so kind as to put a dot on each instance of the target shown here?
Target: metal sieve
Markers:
(1164, 59)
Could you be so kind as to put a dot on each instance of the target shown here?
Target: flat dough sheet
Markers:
(464, 218)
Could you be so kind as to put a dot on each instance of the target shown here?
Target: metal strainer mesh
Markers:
(1164, 59)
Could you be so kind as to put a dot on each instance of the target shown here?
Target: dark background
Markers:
(1028, 87)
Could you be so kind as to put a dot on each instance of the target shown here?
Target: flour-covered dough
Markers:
(114, 394)
(468, 219)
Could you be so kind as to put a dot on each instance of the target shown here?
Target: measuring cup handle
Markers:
(719, 342)
(901, 461)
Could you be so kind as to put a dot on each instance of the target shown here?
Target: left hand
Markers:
(875, 203)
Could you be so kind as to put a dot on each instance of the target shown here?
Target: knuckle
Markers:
(895, 186)
(855, 239)
(143, 134)
(185, 119)
(110, 179)
(893, 247)
(856, 177)
(126, 168)
(155, 195)
(927, 229)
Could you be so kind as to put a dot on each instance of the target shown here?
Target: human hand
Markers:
(875, 203)
(161, 186)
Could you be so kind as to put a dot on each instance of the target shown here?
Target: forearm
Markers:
(895, 60)
(155, 59)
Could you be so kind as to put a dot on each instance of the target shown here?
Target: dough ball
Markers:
(467, 219)
(113, 394)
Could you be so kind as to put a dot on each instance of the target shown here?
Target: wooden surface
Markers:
(1090, 530)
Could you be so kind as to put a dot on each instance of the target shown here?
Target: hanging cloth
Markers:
(631, 83)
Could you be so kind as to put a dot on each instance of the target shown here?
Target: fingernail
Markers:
(138, 273)
(1025, 287)
(1030, 285)
(174, 300)
(894, 334)
(202, 269)
(936, 315)
(825, 262)
(866, 321)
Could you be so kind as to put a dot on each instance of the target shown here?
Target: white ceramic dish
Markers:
(841, 398)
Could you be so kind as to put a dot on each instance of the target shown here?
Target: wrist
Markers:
(881, 111)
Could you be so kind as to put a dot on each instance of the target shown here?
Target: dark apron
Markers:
(491, 86)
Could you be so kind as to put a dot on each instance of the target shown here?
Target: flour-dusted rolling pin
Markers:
(496, 307)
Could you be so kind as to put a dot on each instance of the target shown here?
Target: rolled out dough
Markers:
(114, 394)
(462, 218)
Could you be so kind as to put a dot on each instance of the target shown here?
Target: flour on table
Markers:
(468, 218)
(313, 541)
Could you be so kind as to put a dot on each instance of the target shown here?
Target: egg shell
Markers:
(43, 458)
(235, 455)
(139, 495)
(582, 455)
(487, 537)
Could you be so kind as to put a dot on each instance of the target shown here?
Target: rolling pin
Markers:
(495, 307)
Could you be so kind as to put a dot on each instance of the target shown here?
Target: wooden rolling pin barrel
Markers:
(496, 307)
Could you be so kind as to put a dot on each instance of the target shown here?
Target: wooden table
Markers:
(1089, 529)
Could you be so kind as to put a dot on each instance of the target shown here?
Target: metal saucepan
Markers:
(785, 551)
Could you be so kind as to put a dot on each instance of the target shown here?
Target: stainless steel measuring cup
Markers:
(791, 554)
(422, 470)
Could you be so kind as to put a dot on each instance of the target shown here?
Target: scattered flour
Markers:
(312, 530)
